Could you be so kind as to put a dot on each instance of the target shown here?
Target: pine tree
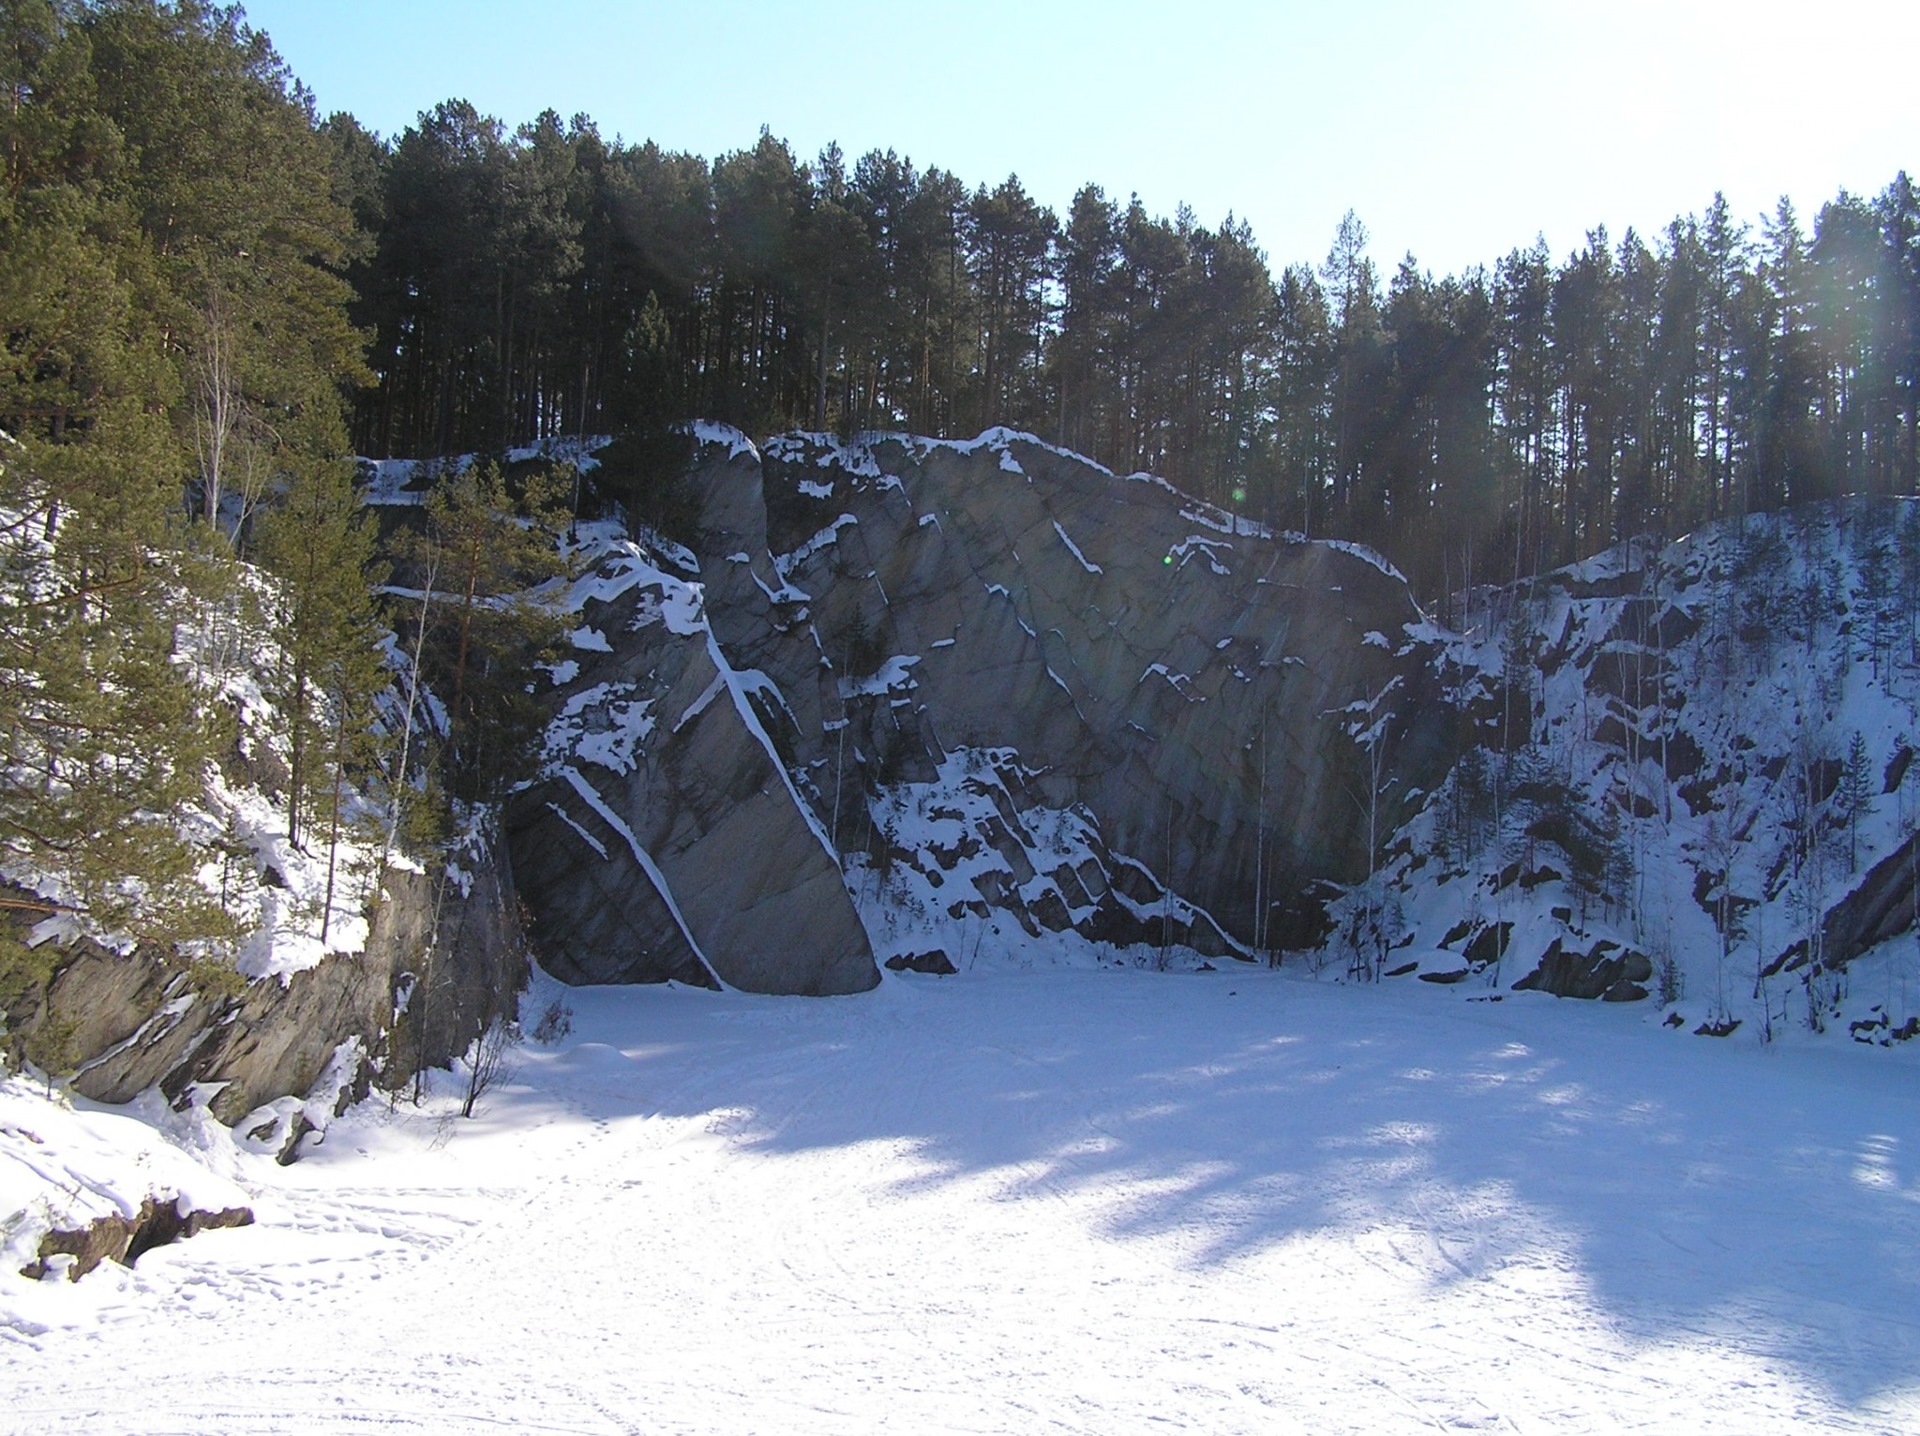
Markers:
(1855, 797)
(323, 616)
(1011, 239)
(1352, 288)
(1304, 365)
(102, 735)
(486, 548)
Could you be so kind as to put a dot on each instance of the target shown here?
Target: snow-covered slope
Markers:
(293, 1013)
(1694, 782)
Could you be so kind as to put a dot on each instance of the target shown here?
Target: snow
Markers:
(786, 593)
(701, 703)
(388, 482)
(682, 609)
(1067, 1200)
(576, 449)
(1074, 549)
(605, 725)
(826, 451)
(1220, 521)
(679, 555)
(610, 564)
(785, 564)
(894, 674)
(734, 441)
(1206, 548)
(1181, 683)
(969, 835)
(63, 1164)
(406, 483)
(1366, 555)
(999, 440)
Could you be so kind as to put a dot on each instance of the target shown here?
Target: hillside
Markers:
(1693, 783)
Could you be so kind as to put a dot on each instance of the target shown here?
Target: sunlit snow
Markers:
(1017, 1201)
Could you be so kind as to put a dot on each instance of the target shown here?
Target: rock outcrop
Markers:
(901, 696)
(1687, 778)
(666, 840)
(1129, 715)
(313, 1038)
(1884, 905)
(125, 1239)
(1144, 655)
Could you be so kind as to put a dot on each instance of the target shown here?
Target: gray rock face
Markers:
(667, 840)
(140, 1024)
(1883, 905)
(1177, 682)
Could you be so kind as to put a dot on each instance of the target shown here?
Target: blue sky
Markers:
(1455, 130)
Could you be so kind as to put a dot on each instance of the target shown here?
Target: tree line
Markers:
(211, 298)
(181, 542)
(525, 282)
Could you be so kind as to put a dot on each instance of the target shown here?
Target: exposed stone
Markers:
(1489, 943)
(936, 963)
(1129, 643)
(1882, 906)
(667, 841)
(125, 1239)
(1607, 971)
(1447, 978)
(139, 1023)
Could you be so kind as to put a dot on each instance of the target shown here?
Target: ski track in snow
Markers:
(1049, 1201)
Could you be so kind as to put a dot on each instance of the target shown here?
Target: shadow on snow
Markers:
(1765, 1199)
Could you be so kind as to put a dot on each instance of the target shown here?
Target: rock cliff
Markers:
(1689, 780)
(995, 683)
(278, 1055)
(666, 839)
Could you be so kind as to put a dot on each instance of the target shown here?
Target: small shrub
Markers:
(555, 1023)
(1669, 984)
(488, 1061)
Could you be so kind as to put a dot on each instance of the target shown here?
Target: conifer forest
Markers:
(1482, 425)
(213, 297)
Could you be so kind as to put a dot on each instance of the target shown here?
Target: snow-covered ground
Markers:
(1053, 1200)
